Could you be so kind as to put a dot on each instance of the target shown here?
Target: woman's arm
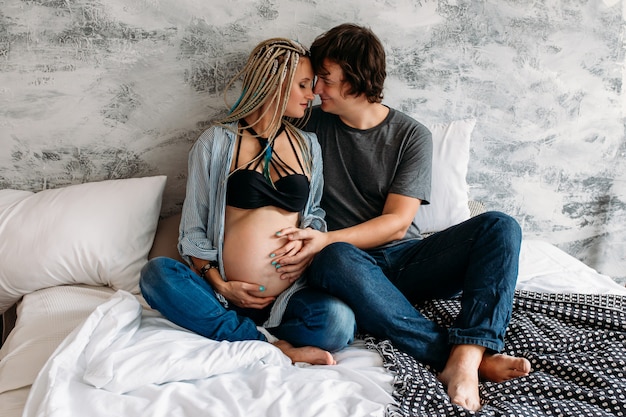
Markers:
(195, 232)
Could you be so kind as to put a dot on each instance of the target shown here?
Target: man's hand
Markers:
(292, 265)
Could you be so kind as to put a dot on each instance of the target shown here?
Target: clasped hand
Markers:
(296, 254)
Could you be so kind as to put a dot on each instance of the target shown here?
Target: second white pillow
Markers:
(450, 191)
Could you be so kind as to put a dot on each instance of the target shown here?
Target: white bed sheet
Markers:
(543, 267)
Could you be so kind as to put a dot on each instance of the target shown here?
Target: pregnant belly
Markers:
(249, 239)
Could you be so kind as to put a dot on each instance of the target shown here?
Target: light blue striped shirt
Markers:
(201, 232)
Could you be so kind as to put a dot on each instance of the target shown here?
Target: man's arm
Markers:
(398, 214)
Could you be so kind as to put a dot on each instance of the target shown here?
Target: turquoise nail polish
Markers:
(277, 266)
(272, 255)
(274, 262)
(261, 288)
(277, 233)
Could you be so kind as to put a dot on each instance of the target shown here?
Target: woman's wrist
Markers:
(204, 270)
(202, 266)
(215, 280)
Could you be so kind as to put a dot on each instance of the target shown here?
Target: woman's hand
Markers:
(239, 293)
(289, 249)
(243, 294)
(293, 264)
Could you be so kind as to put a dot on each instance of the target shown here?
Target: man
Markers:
(377, 172)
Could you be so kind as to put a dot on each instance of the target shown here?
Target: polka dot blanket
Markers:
(576, 344)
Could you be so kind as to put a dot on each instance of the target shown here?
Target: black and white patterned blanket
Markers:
(576, 344)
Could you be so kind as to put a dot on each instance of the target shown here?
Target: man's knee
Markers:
(336, 252)
(504, 225)
(335, 260)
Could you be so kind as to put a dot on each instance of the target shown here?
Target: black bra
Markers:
(248, 188)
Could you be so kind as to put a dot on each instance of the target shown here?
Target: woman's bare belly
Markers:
(249, 239)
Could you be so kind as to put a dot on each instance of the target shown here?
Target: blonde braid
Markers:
(271, 65)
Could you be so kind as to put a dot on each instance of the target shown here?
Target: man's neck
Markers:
(365, 115)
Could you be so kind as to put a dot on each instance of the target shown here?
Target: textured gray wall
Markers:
(92, 90)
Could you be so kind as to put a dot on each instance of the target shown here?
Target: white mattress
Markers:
(47, 316)
(44, 319)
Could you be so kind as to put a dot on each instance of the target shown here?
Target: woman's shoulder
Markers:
(310, 138)
(218, 131)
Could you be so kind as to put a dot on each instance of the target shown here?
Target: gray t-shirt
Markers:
(362, 166)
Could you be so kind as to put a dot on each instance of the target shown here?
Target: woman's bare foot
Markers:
(307, 354)
(460, 376)
(499, 367)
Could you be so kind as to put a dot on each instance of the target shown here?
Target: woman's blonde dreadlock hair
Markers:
(267, 77)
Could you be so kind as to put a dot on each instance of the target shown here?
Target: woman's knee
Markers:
(340, 325)
(153, 271)
(156, 276)
(318, 319)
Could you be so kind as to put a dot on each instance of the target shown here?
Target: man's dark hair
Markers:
(359, 53)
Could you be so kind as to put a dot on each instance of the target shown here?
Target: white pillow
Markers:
(96, 233)
(449, 189)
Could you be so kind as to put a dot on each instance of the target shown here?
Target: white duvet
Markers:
(128, 362)
(125, 362)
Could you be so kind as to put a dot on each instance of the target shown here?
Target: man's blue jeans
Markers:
(311, 318)
(477, 259)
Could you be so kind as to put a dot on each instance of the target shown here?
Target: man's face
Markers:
(332, 89)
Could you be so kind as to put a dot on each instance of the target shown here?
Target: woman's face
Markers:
(301, 89)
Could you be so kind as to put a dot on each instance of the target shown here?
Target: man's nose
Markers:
(317, 88)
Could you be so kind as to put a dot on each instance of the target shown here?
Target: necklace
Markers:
(265, 144)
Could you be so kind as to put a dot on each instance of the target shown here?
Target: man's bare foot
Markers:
(467, 362)
(499, 367)
(460, 376)
(462, 388)
(308, 354)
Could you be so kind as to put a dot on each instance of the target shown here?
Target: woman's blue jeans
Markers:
(311, 318)
(477, 259)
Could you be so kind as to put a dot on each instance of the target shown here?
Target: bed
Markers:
(78, 339)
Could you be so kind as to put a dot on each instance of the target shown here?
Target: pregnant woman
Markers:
(250, 174)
